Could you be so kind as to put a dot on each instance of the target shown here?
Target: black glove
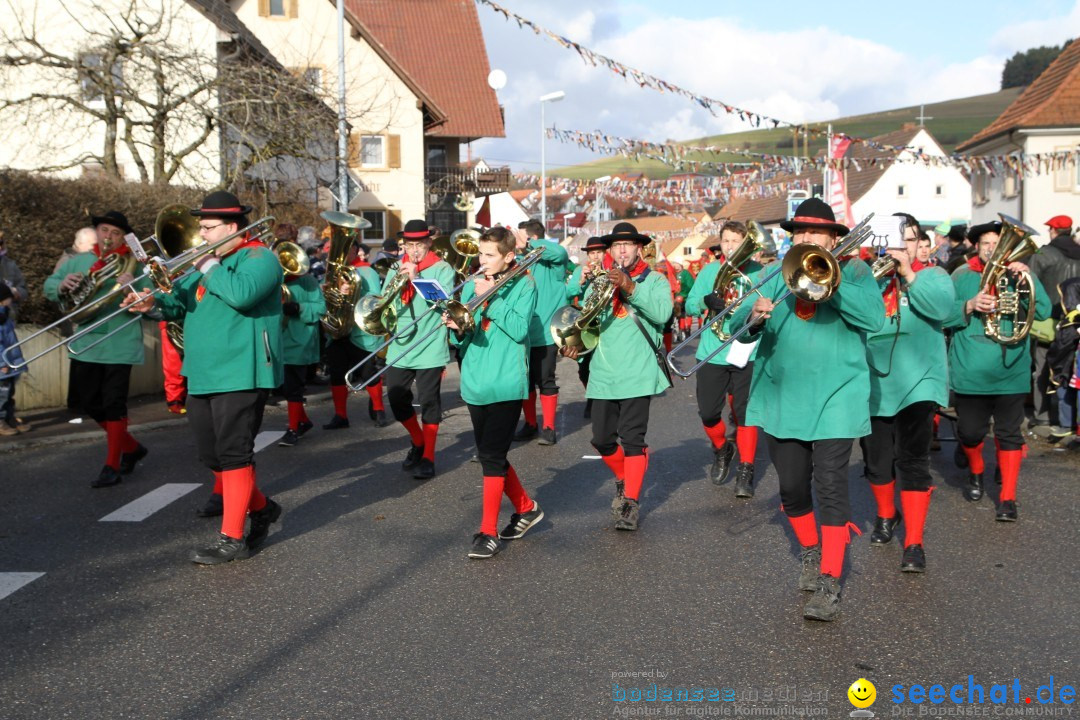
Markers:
(714, 302)
(292, 309)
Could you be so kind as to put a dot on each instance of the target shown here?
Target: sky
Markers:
(786, 59)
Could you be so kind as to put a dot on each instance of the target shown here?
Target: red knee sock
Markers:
(616, 461)
(296, 415)
(635, 465)
(975, 458)
(374, 391)
(667, 341)
(885, 495)
(493, 491)
(1009, 462)
(217, 482)
(915, 504)
(340, 393)
(516, 492)
(415, 434)
(114, 437)
(805, 527)
(746, 441)
(834, 542)
(303, 414)
(130, 443)
(431, 432)
(937, 423)
(717, 433)
(529, 406)
(548, 404)
(238, 485)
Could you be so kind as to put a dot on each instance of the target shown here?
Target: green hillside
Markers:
(953, 122)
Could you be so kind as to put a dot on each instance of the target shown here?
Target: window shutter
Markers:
(292, 7)
(393, 223)
(393, 151)
(264, 8)
(353, 149)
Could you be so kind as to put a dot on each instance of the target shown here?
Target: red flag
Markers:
(838, 197)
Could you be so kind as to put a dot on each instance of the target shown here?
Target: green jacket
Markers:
(907, 356)
(623, 364)
(369, 285)
(686, 280)
(123, 348)
(811, 380)
(300, 336)
(703, 285)
(573, 284)
(435, 351)
(977, 364)
(232, 323)
(550, 277)
(495, 357)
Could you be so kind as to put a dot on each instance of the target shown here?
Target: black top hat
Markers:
(814, 213)
(595, 243)
(977, 231)
(221, 204)
(112, 218)
(416, 230)
(625, 231)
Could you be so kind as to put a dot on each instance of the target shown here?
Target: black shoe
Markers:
(521, 522)
(960, 457)
(744, 480)
(303, 427)
(106, 478)
(628, 515)
(128, 460)
(336, 423)
(617, 501)
(526, 432)
(261, 520)
(1006, 511)
(884, 529)
(289, 439)
(224, 550)
(416, 454)
(914, 559)
(973, 491)
(588, 409)
(721, 462)
(824, 604)
(424, 470)
(484, 546)
(214, 507)
(380, 418)
(811, 568)
(935, 444)
(547, 436)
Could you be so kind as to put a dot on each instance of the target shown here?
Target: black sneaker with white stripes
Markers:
(484, 546)
(521, 522)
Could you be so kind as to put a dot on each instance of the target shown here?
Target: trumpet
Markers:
(811, 273)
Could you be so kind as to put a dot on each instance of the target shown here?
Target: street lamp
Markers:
(565, 218)
(599, 195)
(550, 97)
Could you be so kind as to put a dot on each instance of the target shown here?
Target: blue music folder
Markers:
(430, 290)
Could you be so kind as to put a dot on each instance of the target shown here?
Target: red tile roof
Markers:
(439, 45)
(1052, 100)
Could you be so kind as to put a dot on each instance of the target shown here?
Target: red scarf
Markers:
(891, 296)
(976, 264)
(121, 249)
(636, 271)
(427, 261)
(360, 263)
(918, 266)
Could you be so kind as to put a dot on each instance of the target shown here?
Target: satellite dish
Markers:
(496, 79)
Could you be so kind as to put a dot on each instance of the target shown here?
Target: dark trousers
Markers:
(583, 369)
(821, 463)
(225, 425)
(899, 447)
(493, 429)
(295, 379)
(542, 369)
(428, 385)
(341, 355)
(714, 383)
(7, 400)
(620, 422)
(101, 390)
(1043, 412)
(973, 413)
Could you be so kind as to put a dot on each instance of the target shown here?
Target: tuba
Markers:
(341, 304)
(727, 279)
(1010, 323)
(571, 327)
(459, 250)
(294, 263)
(375, 314)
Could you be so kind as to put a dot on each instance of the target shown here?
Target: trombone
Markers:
(808, 271)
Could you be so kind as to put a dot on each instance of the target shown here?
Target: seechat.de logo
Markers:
(862, 695)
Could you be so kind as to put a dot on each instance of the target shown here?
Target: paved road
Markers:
(363, 604)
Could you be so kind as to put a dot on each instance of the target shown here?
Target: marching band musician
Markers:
(100, 375)
(550, 277)
(813, 356)
(989, 378)
(301, 309)
(576, 286)
(626, 371)
(720, 377)
(425, 364)
(232, 360)
(907, 384)
(494, 381)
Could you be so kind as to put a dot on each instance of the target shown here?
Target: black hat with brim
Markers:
(817, 214)
(221, 204)
(977, 231)
(112, 218)
(416, 230)
(595, 243)
(625, 231)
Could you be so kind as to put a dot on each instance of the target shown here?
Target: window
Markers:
(979, 187)
(92, 80)
(939, 191)
(901, 190)
(436, 156)
(375, 151)
(372, 151)
(277, 8)
(1009, 186)
(688, 250)
(377, 218)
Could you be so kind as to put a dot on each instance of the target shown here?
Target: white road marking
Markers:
(590, 457)
(12, 581)
(150, 503)
(267, 438)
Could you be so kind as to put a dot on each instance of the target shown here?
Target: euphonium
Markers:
(1015, 298)
(459, 250)
(342, 284)
(729, 276)
(375, 314)
(571, 327)
(294, 263)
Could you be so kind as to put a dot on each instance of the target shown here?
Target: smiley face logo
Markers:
(862, 693)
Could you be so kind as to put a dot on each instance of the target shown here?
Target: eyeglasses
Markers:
(208, 228)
